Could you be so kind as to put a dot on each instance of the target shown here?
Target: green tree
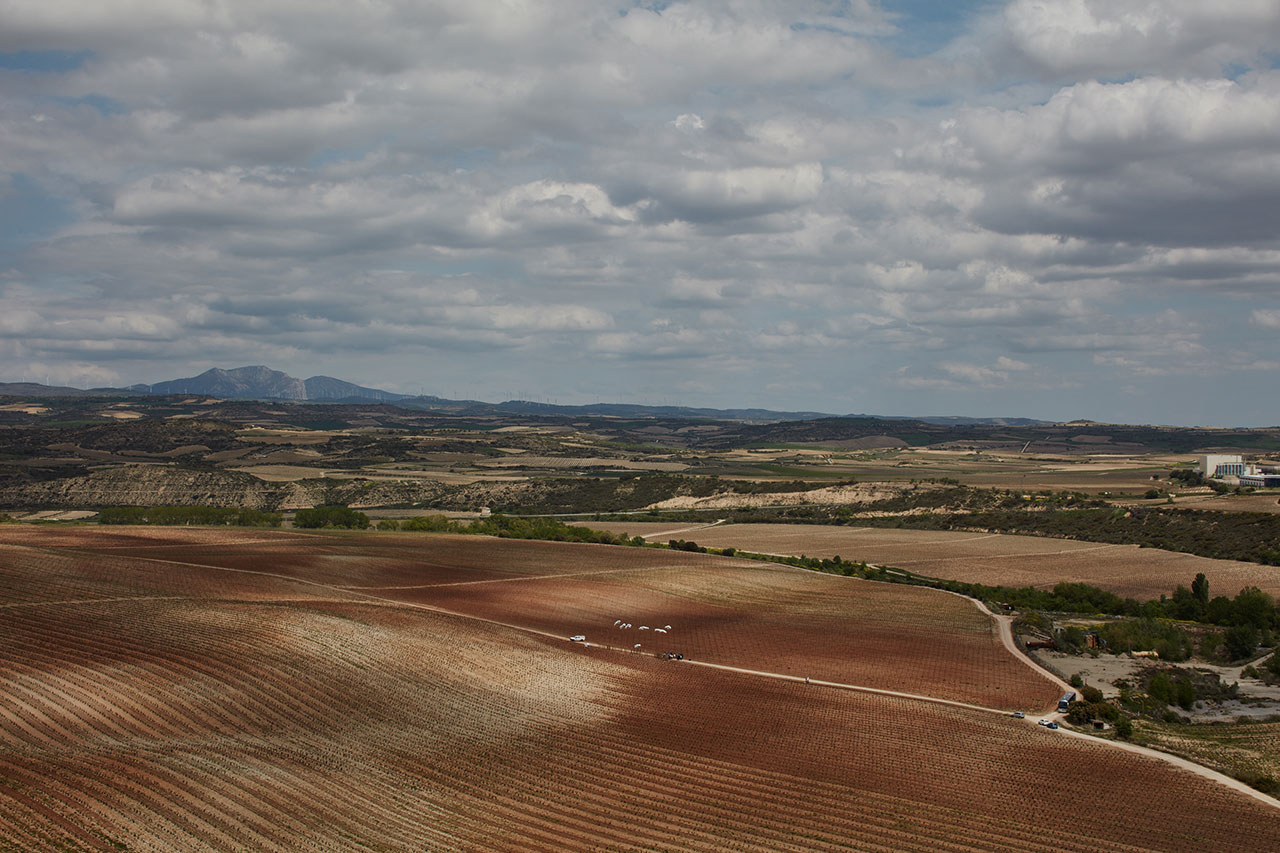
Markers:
(185, 515)
(429, 524)
(1184, 693)
(1079, 714)
(1254, 607)
(1220, 611)
(1186, 605)
(1200, 589)
(1273, 665)
(1241, 640)
(1160, 688)
(1174, 649)
(331, 516)
(1209, 644)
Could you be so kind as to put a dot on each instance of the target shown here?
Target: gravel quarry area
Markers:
(1257, 700)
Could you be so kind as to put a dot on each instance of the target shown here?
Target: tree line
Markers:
(510, 527)
(1246, 536)
(184, 515)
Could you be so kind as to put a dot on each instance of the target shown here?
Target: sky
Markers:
(1056, 209)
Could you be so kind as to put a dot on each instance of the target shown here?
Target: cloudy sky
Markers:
(1044, 208)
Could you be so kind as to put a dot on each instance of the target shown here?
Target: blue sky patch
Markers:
(44, 61)
(28, 214)
(925, 26)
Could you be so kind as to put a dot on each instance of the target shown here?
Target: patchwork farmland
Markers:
(986, 558)
(185, 689)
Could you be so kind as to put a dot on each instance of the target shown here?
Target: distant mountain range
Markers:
(262, 383)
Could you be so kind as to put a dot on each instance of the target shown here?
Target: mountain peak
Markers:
(328, 388)
(259, 382)
(254, 382)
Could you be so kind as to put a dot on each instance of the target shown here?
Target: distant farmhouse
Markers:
(1219, 466)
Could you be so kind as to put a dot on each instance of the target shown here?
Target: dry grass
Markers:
(1265, 502)
(574, 462)
(1249, 750)
(1094, 473)
(281, 473)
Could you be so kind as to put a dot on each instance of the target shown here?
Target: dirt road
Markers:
(1002, 622)
(689, 529)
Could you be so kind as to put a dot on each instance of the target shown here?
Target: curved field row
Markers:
(316, 723)
(516, 743)
(985, 558)
(372, 560)
(740, 613)
(170, 685)
(33, 576)
(775, 619)
(101, 538)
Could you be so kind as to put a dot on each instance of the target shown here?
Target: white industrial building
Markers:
(1222, 465)
(1260, 480)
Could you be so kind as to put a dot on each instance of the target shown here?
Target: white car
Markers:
(578, 638)
(1045, 722)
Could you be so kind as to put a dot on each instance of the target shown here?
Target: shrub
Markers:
(1072, 639)
(1082, 713)
(1210, 644)
(1171, 642)
(1160, 688)
(1241, 640)
(1265, 784)
(182, 515)
(429, 524)
(331, 516)
(1184, 693)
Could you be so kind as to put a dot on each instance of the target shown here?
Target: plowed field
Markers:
(992, 559)
(152, 698)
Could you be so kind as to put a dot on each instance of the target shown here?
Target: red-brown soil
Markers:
(230, 719)
(740, 613)
(775, 619)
